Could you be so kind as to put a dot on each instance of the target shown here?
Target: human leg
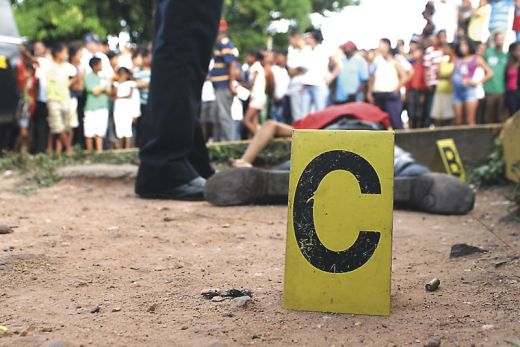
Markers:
(185, 33)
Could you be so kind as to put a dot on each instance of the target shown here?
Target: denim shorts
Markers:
(462, 94)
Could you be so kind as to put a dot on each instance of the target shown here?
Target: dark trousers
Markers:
(495, 106)
(513, 102)
(174, 151)
(415, 108)
(429, 95)
(39, 129)
(391, 103)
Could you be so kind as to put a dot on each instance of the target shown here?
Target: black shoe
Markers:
(192, 191)
(434, 193)
(245, 186)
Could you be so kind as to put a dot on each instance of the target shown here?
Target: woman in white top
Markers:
(387, 77)
(257, 86)
(126, 107)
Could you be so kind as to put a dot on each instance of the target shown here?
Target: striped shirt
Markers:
(225, 54)
(432, 60)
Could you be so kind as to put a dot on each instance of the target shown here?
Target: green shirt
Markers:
(96, 102)
(497, 61)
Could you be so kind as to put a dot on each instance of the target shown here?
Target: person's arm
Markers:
(370, 93)
(487, 70)
(403, 76)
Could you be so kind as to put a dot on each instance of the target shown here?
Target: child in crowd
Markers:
(442, 110)
(96, 107)
(26, 109)
(60, 76)
(416, 88)
(512, 79)
(257, 85)
(76, 90)
(142, 76)
(126, 107)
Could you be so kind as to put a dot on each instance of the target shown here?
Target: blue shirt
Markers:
(143, 75)
(354, 72)
(225, 54)
(499, 20)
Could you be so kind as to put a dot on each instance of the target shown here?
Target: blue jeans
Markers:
(314, 96)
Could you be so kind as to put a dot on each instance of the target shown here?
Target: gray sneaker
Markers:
(434, 193)
(246, 186)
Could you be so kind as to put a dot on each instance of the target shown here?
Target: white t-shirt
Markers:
(281, 81)
(386, 76)
(208, 92)
(295, 60)
(259, 85)
(41, 74)
(130, 106)
(445, 17)
(317, 64)
(479, 76)
(106, 72)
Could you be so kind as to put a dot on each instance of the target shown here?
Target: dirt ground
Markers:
(88, 243)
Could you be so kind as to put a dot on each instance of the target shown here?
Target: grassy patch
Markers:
(493, 172)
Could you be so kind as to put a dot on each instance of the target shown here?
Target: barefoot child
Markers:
(26, 109)
(96, 107)
(126, 107)
(257, 85)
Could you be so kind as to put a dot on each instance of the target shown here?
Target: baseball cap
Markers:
(91, 38)
(223, 25)
(348, 44)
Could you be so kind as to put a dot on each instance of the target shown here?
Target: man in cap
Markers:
(221, 76)
(91, 49)
(352, 75)
(174, 157)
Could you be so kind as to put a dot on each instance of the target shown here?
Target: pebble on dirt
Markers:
(242, 301)
(210, 293)
(95, 309)
(433, 342)
(6, 229)
(462, 249)
(433, 285)
(218, 299)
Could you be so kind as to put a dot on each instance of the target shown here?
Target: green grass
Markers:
(40, 171)
(493, 172)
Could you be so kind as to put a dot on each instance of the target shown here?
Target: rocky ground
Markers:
(89, 264)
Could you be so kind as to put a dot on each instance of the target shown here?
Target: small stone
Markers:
(184, 327)
(226, 226)
(152, 308)
(210, 293)
(433, 342)
(462, 249)
(357, 324)
(5, 229)
(95, 309)
(116, 309)
(218, 299)
(242, 301)
(488, 326)
(169, 219)
(46, 330)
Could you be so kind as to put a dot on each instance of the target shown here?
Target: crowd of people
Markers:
(81, 94)
(457, 71)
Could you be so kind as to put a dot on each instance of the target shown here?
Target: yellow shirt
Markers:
(478, 25)
(57, 78)
(446, 69)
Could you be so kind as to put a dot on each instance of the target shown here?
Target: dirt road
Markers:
(90, 264)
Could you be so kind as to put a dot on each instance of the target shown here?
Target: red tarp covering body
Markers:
(358, 110)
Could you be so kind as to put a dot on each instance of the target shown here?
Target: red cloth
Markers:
(417, 81)
(358, 110)
(516, 22)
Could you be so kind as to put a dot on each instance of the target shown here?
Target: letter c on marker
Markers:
(303, 212)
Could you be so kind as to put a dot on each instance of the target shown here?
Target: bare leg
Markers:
(267, 132)
(128, 142)
(89, 142)
(99, 144)
(120, 143)
(50, 143)
(471, 112)
(67, 143)
(57, 139)
(459, 115)
(251, 120)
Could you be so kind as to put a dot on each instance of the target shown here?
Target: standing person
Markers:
(296, 66)
(352, 75)
(281, 106)
(76, 94)
(315, 84)
(60, 77)
(26, 108)
(40, 126)
(415, 89)
(91, 49)
(126, 110)
(142, 76)
(500, 15)
(386, 79)
(174, 158)
(442, 110)
(512, 79)
(478, 28)
(445, 18)
(432, 58)
(464, 14)
(465, 99)
(516, 21)
(257, 86)
(222, 78)
(96, 107)
(495, 88)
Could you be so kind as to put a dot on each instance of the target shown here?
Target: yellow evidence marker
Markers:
(339, 234)
(447, 159)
